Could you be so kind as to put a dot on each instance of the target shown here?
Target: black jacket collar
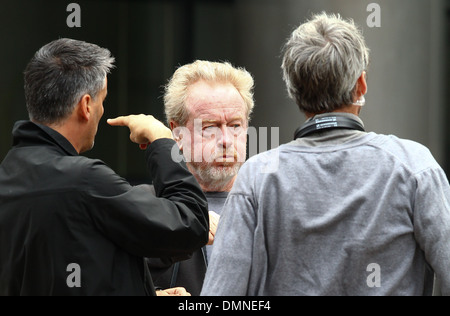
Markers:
(27, 133)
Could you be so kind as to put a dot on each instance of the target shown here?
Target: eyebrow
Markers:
(236, 118)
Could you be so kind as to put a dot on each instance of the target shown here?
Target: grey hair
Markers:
(59, 74)
(177, 88)
(322, 62)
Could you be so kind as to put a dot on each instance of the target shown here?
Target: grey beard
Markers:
(212, 177)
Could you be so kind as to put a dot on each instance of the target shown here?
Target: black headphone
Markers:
(327, 122)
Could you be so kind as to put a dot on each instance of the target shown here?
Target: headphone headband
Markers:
(327, 122)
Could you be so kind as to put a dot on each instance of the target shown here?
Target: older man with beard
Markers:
(208, 107)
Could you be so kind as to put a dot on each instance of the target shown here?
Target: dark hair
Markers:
(60, 73)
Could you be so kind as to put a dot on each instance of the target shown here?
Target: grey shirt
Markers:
(216, 200)
(339, 212)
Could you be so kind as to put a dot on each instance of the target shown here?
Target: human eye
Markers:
(209, 130)
(236, 128)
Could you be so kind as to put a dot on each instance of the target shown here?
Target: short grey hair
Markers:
(176, 89)
(323, 59)
(59, 74)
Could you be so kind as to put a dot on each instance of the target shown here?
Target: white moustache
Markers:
(225, 157)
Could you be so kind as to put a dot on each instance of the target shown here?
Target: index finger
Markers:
(118, 121)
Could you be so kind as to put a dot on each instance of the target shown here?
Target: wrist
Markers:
(167, 135)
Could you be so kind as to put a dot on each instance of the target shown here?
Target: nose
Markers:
(226, 138)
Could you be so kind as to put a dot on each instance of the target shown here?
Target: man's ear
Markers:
(84, 107)
(176, 132)
(361, 88)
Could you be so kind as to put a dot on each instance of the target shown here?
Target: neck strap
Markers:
(327, 122)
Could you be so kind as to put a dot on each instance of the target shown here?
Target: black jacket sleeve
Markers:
(174, 223)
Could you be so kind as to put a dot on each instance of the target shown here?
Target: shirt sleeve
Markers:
(432, 222)
(229, 270)
(174, 223)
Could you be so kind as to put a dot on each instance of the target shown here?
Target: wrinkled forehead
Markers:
(218, 113)
(218, 102)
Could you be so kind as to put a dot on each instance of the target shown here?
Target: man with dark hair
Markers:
(69, 225)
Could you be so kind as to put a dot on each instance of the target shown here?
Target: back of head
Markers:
(322, 62)
(59, 74)
(223, 72)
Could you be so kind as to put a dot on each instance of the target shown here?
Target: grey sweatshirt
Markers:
(340, 212)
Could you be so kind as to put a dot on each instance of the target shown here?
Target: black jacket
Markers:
(58, 208)
(188, 273)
